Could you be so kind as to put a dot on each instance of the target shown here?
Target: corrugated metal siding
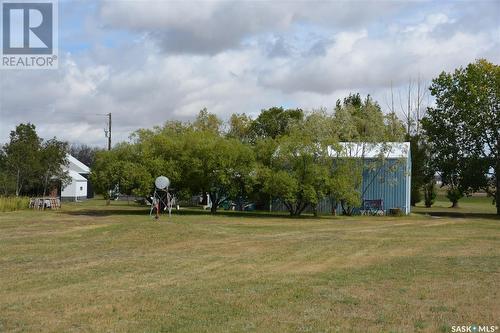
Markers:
(389, 182)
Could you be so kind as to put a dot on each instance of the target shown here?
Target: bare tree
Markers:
(413, 103)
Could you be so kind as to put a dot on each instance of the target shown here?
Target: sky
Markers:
(148, 62)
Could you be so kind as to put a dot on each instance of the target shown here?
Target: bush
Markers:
(9, 204)
(429, 194)
(416, 195)
(454, 194)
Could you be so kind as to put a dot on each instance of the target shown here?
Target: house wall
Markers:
(69, 190)
(76, 190)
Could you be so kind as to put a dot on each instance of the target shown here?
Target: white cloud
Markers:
(430, 23)
(210, 27)
(225, 62)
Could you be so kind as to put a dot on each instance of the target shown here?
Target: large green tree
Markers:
(298, 173)
(52, 157)
(362, 120)
(274, 122)
(29, 163)
(121, 168)
(422, 170)
(22, 161)
(345, 183)
(198, 159)
(206, 121)
(240, 127)
(296, 167)
(222, 167)
(464, 129)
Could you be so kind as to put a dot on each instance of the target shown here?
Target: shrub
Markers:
(416, 195)
(9, 204)
(454, 194)
(429, 194)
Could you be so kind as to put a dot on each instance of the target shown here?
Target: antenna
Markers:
(162, 183)
(162, 195)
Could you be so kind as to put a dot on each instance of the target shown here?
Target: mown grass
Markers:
(10, 204)
(467, 206)
(90, 267)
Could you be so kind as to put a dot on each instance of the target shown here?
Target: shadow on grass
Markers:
(110, 210)
(490, 216)
(136, 210)
(107, 212)
(248, 214)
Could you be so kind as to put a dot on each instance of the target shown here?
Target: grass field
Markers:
(94, 268)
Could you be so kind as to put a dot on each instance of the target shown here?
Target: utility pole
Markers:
(109, 131)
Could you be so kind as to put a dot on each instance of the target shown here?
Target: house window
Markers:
(81, 188)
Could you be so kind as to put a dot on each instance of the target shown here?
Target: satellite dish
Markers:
(162, 182)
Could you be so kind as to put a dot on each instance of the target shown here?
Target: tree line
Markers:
(282, 152)
(29, 164)
(32, 166)
(461, 133)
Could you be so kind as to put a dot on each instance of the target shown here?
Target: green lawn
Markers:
(466, 206)
(94, 268)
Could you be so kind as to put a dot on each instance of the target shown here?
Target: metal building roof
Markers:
(370, 150)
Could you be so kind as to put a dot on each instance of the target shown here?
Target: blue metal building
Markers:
(386, 175)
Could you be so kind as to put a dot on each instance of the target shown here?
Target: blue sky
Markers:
(151, 61)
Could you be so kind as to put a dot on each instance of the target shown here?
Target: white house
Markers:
(78, 172)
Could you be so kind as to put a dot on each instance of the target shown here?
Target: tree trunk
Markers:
(454, 204)
(295, 210)
(45, 188)
(214, 202)
(315, 210)
(333, 204)
(497, 190)
(45, 184)
(18, 187)
(304, 206)
(346, 210)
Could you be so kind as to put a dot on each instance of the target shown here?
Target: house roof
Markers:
(76, 165)
(371, 150)
(76, 176)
